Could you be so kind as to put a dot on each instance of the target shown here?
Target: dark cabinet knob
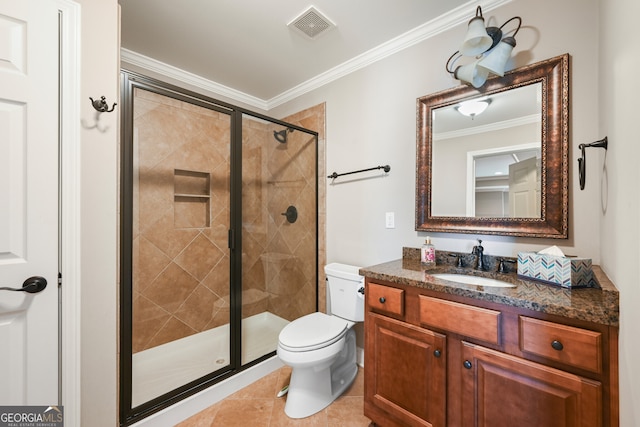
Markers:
(437, 353)
(557, 345)
(382, 300)
(467, 364)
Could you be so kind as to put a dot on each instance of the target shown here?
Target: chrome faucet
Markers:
(478, 251)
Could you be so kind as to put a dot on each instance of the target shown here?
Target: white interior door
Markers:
(524, 189)
(29, 201)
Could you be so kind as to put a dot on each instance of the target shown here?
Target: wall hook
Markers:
(582, 161)
(101, 105)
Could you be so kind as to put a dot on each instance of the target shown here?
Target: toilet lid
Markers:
(312, 331)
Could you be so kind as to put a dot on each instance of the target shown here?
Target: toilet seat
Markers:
(313, 331)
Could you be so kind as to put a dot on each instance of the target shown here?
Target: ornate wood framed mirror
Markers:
(502, 172)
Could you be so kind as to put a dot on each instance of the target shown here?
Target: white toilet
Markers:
(321, 348)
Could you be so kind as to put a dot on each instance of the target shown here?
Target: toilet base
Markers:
(313, 388)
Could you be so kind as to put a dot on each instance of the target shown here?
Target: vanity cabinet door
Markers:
(500, 390)
(405, 373)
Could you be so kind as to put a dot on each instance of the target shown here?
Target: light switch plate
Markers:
(390, 220)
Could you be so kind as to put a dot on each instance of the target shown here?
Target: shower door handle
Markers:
(32, 285)
(231, 240)
(291, 214)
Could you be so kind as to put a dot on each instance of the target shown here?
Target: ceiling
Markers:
(246, 48)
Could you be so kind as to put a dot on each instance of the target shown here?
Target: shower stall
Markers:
(219, 240)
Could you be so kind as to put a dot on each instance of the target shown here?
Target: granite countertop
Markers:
(599, 305)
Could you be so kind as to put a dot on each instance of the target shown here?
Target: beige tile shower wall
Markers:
(278, 256)
(181, 266)
(314, 119)
(291, 246)
(180, 257)
(255, 135)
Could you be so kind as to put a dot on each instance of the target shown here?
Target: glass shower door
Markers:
(180, 255)
(279, 232)
(218, 242)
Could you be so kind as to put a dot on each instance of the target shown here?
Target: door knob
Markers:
(32, 285)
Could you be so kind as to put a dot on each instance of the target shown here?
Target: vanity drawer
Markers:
(385, 299)
(577, 347)
(462, 319)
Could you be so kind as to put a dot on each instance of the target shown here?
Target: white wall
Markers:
(99, 214)
(620, 235)
(371, 120)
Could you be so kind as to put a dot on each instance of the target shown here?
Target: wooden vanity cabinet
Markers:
(405, 366)
(451, 361)
(407, 374)
(500, 390)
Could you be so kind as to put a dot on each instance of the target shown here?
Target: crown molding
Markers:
(429, 29)
(444, 22)
(491, 127)
(130, 57)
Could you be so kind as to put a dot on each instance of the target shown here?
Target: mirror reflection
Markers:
(500, 166)
(487, 161)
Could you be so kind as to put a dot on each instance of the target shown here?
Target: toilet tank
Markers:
(343, 298)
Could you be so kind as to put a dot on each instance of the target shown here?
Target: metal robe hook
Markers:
(582, 161)
(101, 105)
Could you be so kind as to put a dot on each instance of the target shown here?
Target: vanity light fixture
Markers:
(473, 107)
(487, 46)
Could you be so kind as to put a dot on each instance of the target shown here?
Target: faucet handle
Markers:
(501, 266)
(477, 248)
(459, 261)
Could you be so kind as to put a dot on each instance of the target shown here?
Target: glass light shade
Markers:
(472, 74)
(473, 107)
(496, 60)
(477, 40)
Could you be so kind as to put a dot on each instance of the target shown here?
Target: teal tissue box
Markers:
(557, 270)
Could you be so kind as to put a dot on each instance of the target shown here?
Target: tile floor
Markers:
(257, 406)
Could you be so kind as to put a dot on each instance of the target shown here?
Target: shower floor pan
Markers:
(166, 367)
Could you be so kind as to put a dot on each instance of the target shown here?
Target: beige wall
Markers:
(617, 191)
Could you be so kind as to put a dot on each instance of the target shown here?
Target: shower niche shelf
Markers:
(191, 199)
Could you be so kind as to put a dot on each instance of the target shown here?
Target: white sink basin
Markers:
(473, 280)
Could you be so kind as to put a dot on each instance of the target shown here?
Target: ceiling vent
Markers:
(311, 23)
